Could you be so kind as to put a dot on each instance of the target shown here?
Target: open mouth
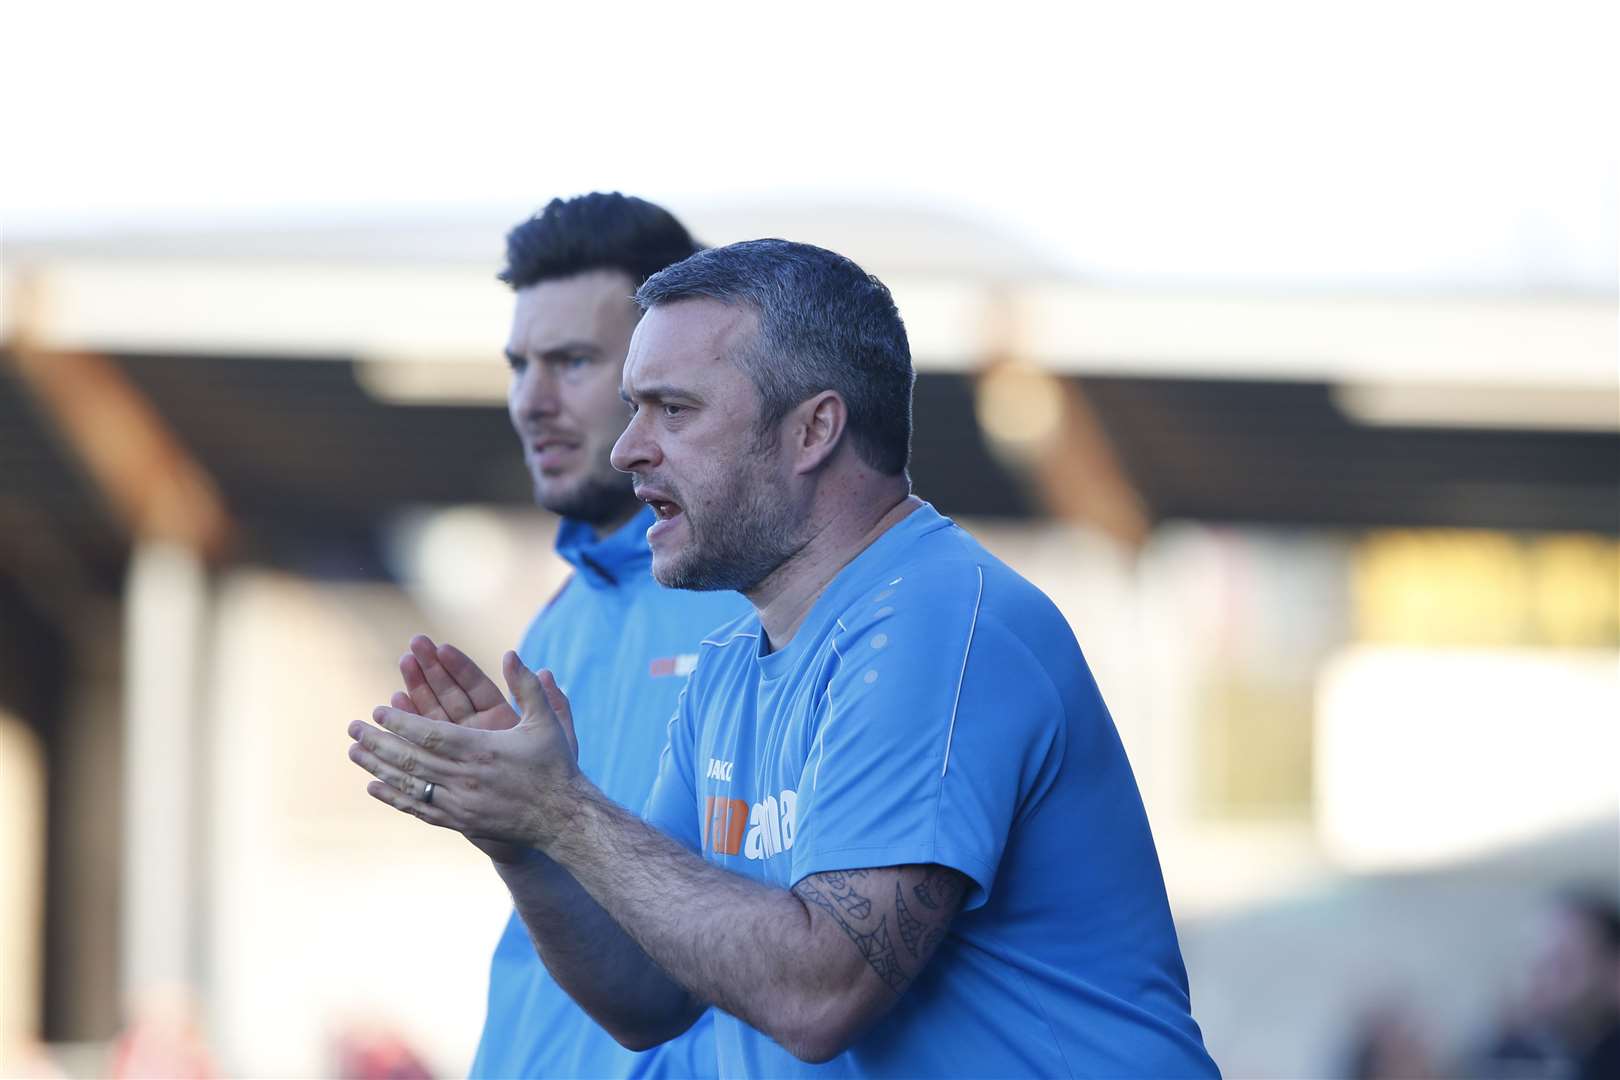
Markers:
(663, 507)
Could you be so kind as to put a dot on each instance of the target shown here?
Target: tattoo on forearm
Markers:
(938, 891)
(877, 950)
(911, 930)
(850, 910)
(935, 880)
(842, 888)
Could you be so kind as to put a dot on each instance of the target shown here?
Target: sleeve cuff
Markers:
(980, 873)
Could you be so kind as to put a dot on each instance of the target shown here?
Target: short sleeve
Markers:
(936, 726)
(672, 803)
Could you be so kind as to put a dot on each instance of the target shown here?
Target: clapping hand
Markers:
(443, 683)
(452, 751)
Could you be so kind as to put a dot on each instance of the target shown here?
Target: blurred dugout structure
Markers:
(1347, 567)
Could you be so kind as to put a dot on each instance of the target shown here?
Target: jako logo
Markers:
(770, 825)
(719, 770)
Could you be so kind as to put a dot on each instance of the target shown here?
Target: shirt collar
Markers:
(619, 557)
(885, 553)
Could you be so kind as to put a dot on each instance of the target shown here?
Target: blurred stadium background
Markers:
(1294, 384)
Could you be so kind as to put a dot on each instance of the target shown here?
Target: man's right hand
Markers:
(443, 683)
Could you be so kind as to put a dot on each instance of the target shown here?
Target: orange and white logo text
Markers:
(732, 827)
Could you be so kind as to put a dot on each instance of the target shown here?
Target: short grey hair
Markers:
(824, 324)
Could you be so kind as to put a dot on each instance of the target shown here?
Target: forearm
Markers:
(748, 948)
(811, 967)
(592, 958)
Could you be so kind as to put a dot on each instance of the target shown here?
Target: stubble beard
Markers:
(598, 499)
(738, 541)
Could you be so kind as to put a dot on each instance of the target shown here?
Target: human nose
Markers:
(534, 391)
(635, 451)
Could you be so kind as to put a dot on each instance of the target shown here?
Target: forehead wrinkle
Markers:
(585, 307)
(725, 322)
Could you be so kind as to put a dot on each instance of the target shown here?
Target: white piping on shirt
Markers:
(729, 640)
(974, 625)
(821, 736)
(669, 729)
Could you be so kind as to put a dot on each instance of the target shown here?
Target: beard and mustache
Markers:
(736, 539)
(597, 500)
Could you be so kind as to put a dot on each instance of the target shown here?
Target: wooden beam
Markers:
(1083, 478)
(153, 484)
(1044, 428)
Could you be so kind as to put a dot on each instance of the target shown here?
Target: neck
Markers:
(785, 597)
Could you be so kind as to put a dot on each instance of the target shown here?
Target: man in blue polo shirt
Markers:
(894, 831)
(612, 636)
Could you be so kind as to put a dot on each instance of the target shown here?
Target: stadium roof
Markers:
(321, 378)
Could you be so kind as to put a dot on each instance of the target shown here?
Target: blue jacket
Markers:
(620, 646)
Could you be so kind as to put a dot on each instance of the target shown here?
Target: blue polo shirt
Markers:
(934, 707)
(621, 647)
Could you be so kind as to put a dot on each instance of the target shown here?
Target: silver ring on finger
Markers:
(427, 794)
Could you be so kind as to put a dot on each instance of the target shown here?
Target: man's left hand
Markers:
(514, 785)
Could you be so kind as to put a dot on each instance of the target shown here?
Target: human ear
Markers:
(818, 427)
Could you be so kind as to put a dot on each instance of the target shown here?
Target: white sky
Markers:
(1411, 144)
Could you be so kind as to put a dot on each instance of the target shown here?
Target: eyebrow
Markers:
(660, 392)
(566, 348)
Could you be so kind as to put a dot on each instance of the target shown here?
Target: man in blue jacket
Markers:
(612, 635)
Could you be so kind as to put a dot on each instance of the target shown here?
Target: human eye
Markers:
(672, 411)
(568, 364)
(516, 362)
